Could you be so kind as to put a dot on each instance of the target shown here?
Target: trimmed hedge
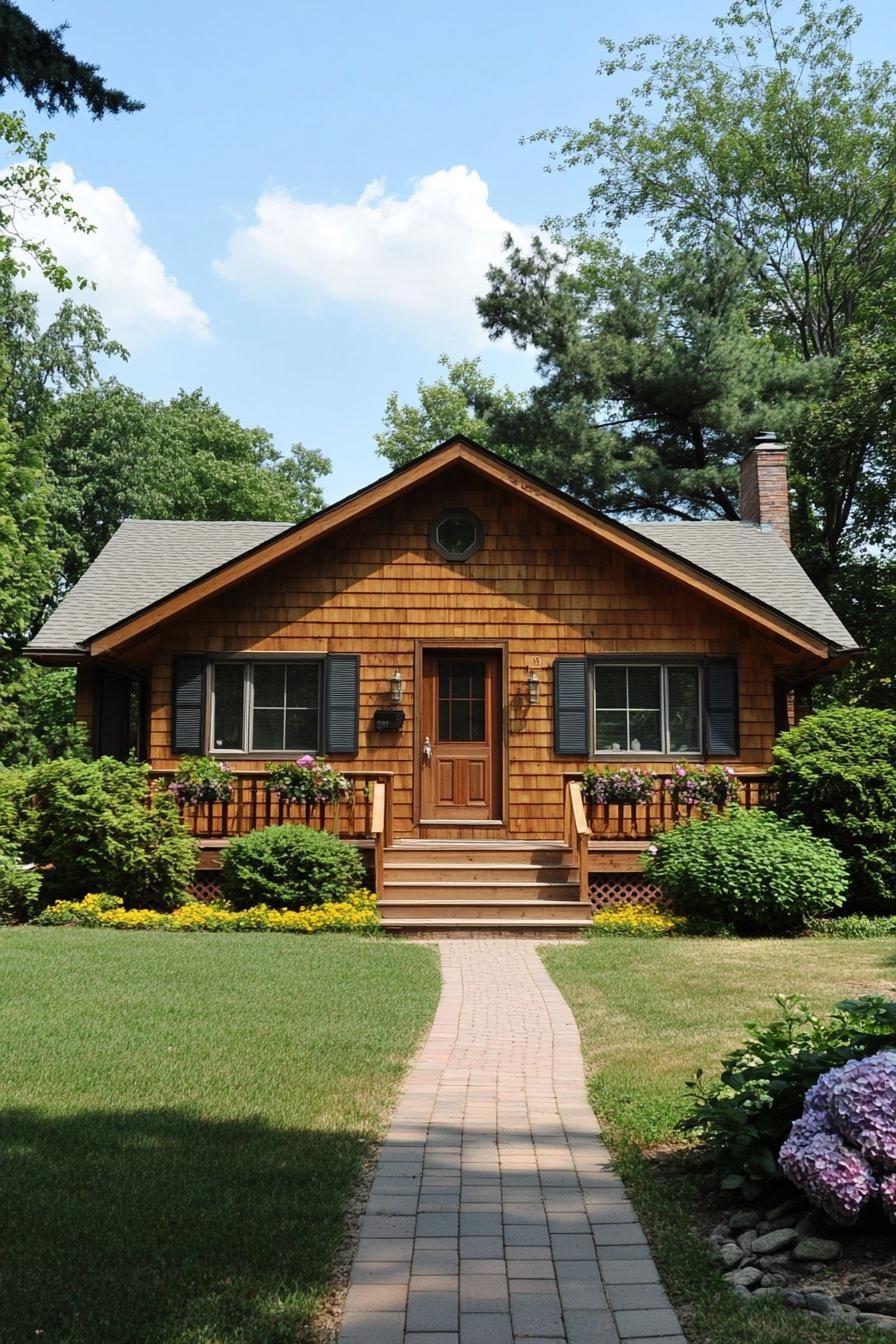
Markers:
(749, 871)
(289, 866)
(836, 773)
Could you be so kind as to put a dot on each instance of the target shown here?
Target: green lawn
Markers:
(651, 1011)
(183, 1119)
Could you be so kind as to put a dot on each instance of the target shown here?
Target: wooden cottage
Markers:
(463, 641)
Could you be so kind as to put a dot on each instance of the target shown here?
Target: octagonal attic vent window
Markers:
(456, 534)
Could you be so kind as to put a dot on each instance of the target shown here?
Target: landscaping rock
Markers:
(742, 1219)
(747, 1277)
(884, 1306)
(823, 1305)
(779, 1240)
(791, 1298)
(773, 1261)
(766, 1292)
(730, 1254)
(745, 1240)
(872, 1318)
(816, 1248)
(781, 1210)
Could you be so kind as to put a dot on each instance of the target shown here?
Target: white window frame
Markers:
(665, 665)
(247, 751)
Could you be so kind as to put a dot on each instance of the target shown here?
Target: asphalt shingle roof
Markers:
(147, 559)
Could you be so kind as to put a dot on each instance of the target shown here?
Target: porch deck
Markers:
(548, 885)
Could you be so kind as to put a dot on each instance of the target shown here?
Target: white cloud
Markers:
(423, 257)
(137, 297)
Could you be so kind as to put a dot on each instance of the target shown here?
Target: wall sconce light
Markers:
(396, 688)
(533, 684)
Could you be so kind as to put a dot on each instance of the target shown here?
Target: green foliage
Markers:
(855, 926)
(14, 815)
(115, 455)
(19, 890)
(745, 1117)
(465, 401)
(99, 827)
(35, 61)
(289, 866)
(37, 713)
(202, 779)
(836, 773)
(749, 870)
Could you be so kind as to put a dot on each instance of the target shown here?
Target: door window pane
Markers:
(684, 708)
(227, 729)
(461, 700)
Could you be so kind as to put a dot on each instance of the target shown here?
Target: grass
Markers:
(652, 1011)
(183, 1122)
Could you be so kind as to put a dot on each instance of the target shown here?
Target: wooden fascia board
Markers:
(392, 487)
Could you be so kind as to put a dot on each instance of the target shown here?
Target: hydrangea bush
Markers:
(842, 1152)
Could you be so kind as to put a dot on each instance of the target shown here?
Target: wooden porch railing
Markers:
(639, 821)
(252, 806)
(578, 832)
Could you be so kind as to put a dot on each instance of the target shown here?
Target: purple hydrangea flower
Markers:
(842, 1152)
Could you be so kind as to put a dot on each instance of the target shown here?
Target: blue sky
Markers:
(299, 219)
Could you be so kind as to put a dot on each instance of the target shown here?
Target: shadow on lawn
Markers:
(150, 1226)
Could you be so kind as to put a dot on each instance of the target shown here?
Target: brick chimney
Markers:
(763, 485)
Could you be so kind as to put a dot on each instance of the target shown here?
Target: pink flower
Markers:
(305, 761)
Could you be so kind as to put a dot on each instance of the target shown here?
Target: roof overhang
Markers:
(456, 451)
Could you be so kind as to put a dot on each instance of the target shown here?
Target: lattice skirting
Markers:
(205, 886)
(606, 891)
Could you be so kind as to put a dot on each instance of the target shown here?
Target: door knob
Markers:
(427, 750)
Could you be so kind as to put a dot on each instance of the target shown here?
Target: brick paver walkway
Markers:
(494, 1215)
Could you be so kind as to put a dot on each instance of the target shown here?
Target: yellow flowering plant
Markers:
(357, 913)
(636, 921)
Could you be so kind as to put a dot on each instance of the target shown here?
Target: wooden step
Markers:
(474, 853)
(562, 912)
(482, 890)
(486, 872)
(447, 928)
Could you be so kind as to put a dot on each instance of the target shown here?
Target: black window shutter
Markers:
(720, 693)
(571, 707)
(341, 703)
(188, 681)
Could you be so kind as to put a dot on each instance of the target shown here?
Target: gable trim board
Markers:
(459, 450)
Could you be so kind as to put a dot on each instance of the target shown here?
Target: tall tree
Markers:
(34, 60)
(464, 401)
(112, 454)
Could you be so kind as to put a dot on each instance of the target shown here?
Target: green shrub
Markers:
(745, 1117)
(19, 890)
(15, 815)
(289, 866)
(855, 926)
(749, 871)
(836, 773)
(99, 827)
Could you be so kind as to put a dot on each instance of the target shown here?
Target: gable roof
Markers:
(152, 570)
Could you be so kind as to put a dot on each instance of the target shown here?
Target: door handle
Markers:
(427, 751)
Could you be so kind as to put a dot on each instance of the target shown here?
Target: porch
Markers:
(544, 885)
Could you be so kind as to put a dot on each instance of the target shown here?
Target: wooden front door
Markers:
(461, 736)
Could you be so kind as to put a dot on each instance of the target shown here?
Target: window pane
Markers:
(644, 730)
(684, 708)
(267, 730)
(227, 731)
(611, 731)
(269, 683)
(301, 730)
(460, 721)
(302, 682)
(644, 687)
(609, 687)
